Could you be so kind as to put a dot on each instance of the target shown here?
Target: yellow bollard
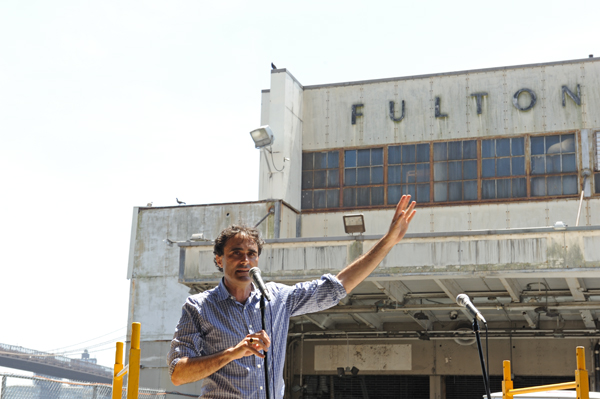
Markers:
(133, 382)
(117, 385)
(581, 376)
(507, 383)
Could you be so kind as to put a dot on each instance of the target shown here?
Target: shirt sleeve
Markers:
(187, 340)
(314, 296)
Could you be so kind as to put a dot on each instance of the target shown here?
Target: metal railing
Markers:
(24, 387)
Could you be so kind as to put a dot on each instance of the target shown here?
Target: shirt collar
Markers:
(223, 294)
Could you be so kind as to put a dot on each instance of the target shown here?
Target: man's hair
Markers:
(232, 231)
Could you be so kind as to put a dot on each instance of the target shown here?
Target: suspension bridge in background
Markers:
(17, 357)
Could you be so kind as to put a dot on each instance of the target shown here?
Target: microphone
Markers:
(464, 301)
(258, 281)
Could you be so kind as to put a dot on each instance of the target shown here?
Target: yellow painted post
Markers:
(581, 375)
(133, 382)
(507, 383)
(117, 385)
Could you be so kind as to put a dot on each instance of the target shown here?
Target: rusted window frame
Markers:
(479, 200)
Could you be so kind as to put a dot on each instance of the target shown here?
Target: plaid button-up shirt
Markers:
(213, 321)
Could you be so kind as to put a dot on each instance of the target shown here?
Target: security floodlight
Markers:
(263, 136)
(340, 372)
(354, 371)
(354, 223)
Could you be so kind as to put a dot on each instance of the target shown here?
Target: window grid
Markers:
(383, 196)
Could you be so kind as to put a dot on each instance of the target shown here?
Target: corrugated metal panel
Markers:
(366, 386)
(597, 159)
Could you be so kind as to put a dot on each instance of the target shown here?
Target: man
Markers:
(219, 337)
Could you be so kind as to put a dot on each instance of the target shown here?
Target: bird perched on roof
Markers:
(149, 204)
(180, 202)
(273, 66)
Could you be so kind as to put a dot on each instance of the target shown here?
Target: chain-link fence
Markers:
(23, 387)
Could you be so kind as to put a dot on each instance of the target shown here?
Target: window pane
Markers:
(488, 167)
(538, 186)
(455, 191)
(307, 161)
(364, 176)
(503, 147)
(333, 159)
(408, 174)
(518, 166)
(394, 154)
(307, 180)
(537, 145)
(362, 196)
(377, 175)
(350, 159)
(568, 143)
(408, 154)
(320, 180)
(518, 146)
(470, 170)
(470, 189)
(470, 149)
(440, 171)
(552, 144)
(519, 188)
(321, 160)
(377, 195)
(553, 163)
(333, 178)
(568, 163)
(394, 194)
(422, 152)
(349, 197)
(503, 188)
(377, 156)
(538, 165)
(440, 151)
(569, 184)
(597, 183)
(350, 177)
(503, 167)
(455, 150)
(306, 202)
(320, 199)
(488, 189)
(363, 157)
(487, 149)
(394, 175)
(422, 172)
(554, 185)
(333, 198)
(440, 192)
(422, 193)
(455, 170)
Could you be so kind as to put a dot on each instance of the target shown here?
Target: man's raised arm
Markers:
(357, 271)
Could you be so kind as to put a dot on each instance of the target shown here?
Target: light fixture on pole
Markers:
(354, 223)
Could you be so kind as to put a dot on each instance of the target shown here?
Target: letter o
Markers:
(531, 104)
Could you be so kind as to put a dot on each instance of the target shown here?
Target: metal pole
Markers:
(481, 359)
(117, 385)
(266, 363)
(133, 382)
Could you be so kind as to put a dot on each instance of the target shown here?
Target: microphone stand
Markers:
(266, 364)
(486, 378)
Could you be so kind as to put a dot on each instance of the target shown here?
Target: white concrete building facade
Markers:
(495, 158)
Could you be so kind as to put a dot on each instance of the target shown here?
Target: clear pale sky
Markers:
(106, 105)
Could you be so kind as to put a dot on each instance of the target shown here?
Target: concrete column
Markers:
(284, 116)
(437, 390)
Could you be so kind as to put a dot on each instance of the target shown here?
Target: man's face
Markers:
(239, 256)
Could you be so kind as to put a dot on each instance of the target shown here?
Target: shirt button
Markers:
(260, 387)
(250, 325)
(259, 366)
